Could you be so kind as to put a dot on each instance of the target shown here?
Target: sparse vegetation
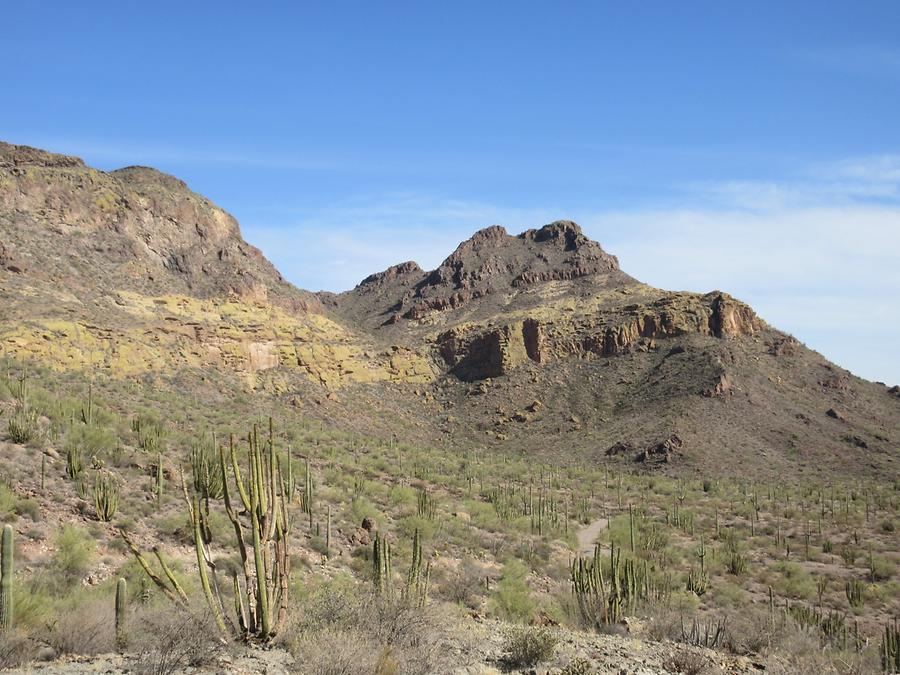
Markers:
(497, 536)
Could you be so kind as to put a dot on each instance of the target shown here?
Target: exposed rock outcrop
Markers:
(475, 351)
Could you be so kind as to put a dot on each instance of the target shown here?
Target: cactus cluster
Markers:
(106, 496)
(205, 469)
(604, 598)
(425, 504)
(697, 582)
(832, 626)
(855, 590)
(416, 589)
(890, 648)
(261, 536)
(74, 462)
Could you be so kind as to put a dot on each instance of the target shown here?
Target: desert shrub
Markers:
(342, 620)
(752, 631)
(687, 662)
(169, 639)
(888, 526)
(16, 649)
(880, 568)
(464, 585)
(527, 647)
(93, 441)
(511, 599)
(8, 503)
(795, 582)
(335, 652)
(83, 627)
(577, 666)
(74, 553)
(33, 605)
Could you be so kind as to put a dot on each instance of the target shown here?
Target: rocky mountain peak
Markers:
(148, 177)
(392, 273)
(489, 270)
(13, 156)
(135, 228)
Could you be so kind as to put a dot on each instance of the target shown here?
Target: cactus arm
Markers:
(170, 575)
(202, 563)
(245, 500)
(179, 598)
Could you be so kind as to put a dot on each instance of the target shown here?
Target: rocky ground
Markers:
(483, 655)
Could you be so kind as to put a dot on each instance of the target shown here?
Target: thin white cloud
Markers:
(864, 60)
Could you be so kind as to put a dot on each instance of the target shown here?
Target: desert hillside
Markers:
(524, 460)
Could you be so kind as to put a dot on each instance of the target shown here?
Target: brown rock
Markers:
(836, 414)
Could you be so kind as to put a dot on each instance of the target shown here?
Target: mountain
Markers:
(536, 343)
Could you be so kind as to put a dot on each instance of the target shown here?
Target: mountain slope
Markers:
(536, 343)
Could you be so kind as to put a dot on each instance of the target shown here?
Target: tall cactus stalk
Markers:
(631, 525)
(121, 636)
(328, 532)
(159, 480)
(6, 581)
(381, 566)
(307, 496)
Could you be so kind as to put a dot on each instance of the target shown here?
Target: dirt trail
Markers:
(587, 536)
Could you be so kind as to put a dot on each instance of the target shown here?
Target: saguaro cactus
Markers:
(6, 580)
(121, 637)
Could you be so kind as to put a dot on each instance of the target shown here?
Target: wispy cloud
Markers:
(861, 59)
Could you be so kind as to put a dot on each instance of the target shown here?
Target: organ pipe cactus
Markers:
(106, 496)
(416, 589)
(381, 565)
(890, 648)
(6, 579)
(74, 462)
(603, 600)
(205, 470)
(261, 534)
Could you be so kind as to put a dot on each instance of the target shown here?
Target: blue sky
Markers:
(752, 147)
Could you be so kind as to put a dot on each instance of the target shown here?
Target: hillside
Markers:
(537, 342)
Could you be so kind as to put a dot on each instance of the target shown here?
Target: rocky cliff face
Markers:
(476, 352)
(135, 228)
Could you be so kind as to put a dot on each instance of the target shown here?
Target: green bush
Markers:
(75, 551)
(511, 599)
